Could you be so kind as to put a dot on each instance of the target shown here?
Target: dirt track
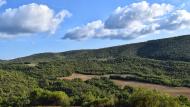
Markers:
(175, 91)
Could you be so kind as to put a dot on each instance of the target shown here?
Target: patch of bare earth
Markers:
(80, 76)
(174, 91)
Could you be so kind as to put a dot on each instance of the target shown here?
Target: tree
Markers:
(48, 98)
(146, 98)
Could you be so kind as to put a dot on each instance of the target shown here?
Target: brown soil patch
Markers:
(174, 91)
(80, 76)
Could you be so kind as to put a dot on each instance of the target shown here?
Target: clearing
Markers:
(174, 91)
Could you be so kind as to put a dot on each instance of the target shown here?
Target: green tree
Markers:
(146, 98)
(48, 98)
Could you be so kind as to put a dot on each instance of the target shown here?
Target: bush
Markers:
(48, 98)
(15, 88)
(146, 98)
(184, 100)
(90, 100)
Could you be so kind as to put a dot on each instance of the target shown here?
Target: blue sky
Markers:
(83, 12)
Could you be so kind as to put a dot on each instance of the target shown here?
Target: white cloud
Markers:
(2, 2)
(134, 20)
(141, 12)
(178, 19)
(95, 28)
(30, 19)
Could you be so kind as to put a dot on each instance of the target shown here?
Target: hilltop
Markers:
(176, 48)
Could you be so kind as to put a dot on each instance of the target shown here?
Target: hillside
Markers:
(1, 60)
(164, 62)
(23, 85)
(176, 48)
(15, 87)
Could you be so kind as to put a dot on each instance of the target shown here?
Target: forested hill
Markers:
(176, 48)
(1, 60)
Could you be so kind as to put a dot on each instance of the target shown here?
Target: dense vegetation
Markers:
(92, 93)
(172, 73)
(34, 80)
(15, 88)
(32, 85)
(49, 70)
(45, 97)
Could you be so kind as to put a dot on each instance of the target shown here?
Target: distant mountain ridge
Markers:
(1, 60)
(175, 48)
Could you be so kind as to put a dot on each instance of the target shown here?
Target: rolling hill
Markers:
(176, 48)
(165, 62)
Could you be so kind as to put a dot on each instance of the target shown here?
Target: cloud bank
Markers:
(30, 19)
(133, 21)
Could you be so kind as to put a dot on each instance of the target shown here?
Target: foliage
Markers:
(42, 70)
(163, 62)
(92, 93)
(172, 73)
(184, 100)
(102, 93)
(15, 87)
(48, 98)
(146, 98)
(52, 69)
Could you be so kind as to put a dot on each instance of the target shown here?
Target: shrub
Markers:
(48, 98)
(146, 98)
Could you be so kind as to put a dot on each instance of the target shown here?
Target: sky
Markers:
(37, 26)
